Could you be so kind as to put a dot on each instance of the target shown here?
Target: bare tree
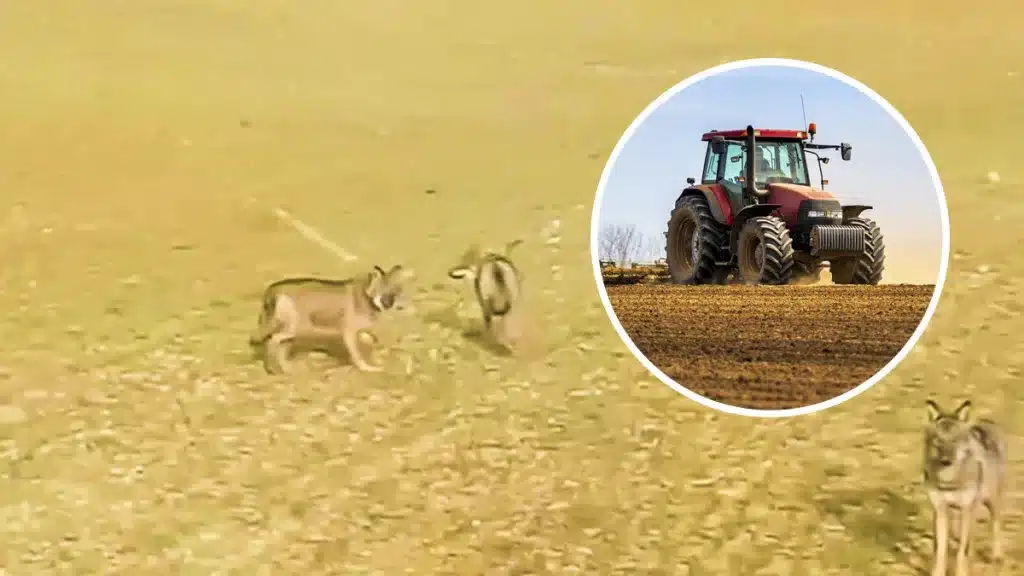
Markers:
(654, 248)
(607, 240)
(621, 244)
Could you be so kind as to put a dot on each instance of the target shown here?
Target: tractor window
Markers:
(791, 163)
(767, 156)
(780, 162)
(711, 167)
(735, 158)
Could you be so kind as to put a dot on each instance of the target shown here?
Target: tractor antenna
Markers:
(803, 110)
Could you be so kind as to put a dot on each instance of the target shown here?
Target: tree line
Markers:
(625, 244)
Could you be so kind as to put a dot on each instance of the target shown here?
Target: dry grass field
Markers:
(144, 146)
(770, 347)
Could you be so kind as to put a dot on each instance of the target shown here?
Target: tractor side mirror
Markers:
(691, 181)
(844, 150)
(718, 145)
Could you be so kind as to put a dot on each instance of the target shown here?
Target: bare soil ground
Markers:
(769, 347)
(144, 146)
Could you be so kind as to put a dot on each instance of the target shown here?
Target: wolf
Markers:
(321, 313)
(965, 469)
(497, 284)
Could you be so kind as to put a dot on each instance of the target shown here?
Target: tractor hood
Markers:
(797, 191)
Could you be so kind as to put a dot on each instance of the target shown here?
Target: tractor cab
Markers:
(778, 158)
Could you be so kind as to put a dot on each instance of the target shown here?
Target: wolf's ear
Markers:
(401, 273)
(460, 272)
(472, 255)
(933, 410)
(963, 412)
(375, 277)
(980, 435)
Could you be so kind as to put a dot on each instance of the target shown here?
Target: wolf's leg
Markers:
(351, 342)
(963, 551)
(941, 512)
(278, 351)
(997, 536)
(371, 336)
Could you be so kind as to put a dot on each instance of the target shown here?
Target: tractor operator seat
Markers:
(765, 171)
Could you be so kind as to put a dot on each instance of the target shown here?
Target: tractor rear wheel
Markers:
(694, 241)
(865, 268)
(765, 251)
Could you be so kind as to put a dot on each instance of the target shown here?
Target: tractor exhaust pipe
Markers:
(749, 177)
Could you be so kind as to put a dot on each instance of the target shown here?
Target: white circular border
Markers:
(943, 264)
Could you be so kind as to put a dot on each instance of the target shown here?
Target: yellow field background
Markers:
(145, 144)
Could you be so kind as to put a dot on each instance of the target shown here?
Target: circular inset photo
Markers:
(770, 237)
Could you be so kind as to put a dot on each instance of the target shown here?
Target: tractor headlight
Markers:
(830, 213)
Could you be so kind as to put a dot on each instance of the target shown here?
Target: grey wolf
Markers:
(497, 285)
(321, 313)
(964, 469)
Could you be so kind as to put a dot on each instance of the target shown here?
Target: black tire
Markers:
(765, 251)
(693, 241)
(865, 269)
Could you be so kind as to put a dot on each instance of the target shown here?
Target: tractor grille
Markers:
(832, 239)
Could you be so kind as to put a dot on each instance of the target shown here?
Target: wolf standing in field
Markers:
(323, 313)
(497, 285)
(965, 469)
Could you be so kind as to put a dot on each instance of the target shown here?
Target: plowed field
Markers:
(770, 347)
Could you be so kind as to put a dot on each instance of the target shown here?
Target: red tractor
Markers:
(755, 217)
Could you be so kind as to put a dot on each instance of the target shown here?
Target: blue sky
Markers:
(886, 169)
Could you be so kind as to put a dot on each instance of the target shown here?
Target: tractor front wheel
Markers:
(865, 268)
(765, 251)
(693, 241)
